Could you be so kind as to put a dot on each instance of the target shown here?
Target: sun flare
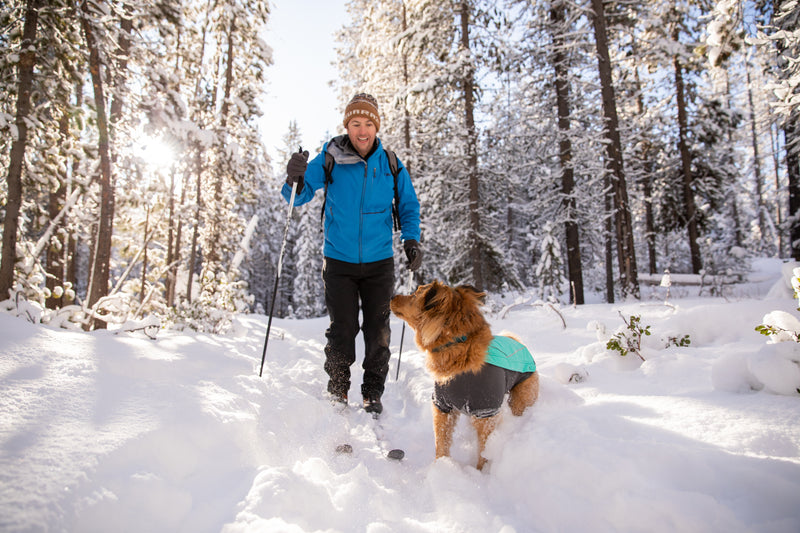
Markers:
(155, 152)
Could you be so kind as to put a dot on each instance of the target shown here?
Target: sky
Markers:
(301, 34)
(114, 431)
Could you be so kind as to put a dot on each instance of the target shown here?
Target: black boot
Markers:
(373, 405)
(337, 398)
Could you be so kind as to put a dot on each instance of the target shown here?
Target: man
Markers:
(359, 263)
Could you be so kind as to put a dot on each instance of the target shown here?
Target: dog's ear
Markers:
(428, 302)
(479, 295)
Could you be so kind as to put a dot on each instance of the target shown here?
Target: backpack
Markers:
(393, 167)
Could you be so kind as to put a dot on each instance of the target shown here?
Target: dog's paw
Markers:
(566, 373)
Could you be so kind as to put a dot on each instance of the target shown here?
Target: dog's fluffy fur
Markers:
(438, 314)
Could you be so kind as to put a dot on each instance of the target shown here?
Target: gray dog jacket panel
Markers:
(478, 394)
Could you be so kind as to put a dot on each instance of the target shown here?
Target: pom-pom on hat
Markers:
(363, 105)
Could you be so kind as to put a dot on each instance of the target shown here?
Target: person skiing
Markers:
(358, 256)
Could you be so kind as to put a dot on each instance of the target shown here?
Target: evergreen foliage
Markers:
(550, 267)
(492, 106)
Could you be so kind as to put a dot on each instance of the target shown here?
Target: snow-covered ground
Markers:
(106, 432)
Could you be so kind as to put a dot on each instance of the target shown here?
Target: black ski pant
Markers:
(345, 285)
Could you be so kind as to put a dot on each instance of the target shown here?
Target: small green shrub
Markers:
(681, 342)
(630, 339)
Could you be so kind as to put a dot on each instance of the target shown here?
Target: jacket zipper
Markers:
(361, 215)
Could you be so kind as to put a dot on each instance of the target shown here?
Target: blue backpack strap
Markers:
(328, 168)
(395, 169)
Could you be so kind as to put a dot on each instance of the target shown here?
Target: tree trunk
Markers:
(773, 142)
(468, 86)
(646, 181)
(145, 242)
(71, 252)
(17, 155)
(686, 168)
(574, 271)
(198, 209)
(124, 47)
(198, 164)
(756, 158)
(649, 218)
(791, 132)
(730, 195)
(608, 241)
(178, 234)
(791, 136)
(56, 259)
(406, 114)
(626, 254)
(102, 246)
(172, 245)
(212, 249)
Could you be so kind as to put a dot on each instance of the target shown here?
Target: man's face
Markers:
(362, 134)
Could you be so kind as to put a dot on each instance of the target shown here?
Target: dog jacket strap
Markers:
(510, 354)
(457, 340)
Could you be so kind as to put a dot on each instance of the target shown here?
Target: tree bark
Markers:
(198, 163)
(781, 227)
(211, 247)
(124, 48)
(172, 245)
(756, 158)
(145, 243)
(468, 86)
(791, 136)
(406, 114)
(646, 181)
(626, 254)
(608, 242)
(686, 168)
(574, 270)
(17, 156)
(56, 258)
(102, 252)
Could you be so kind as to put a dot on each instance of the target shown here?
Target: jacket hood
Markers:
(344, 152)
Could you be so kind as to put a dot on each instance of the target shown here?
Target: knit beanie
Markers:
(363, 105)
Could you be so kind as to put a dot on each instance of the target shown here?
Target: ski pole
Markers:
(400, 353)
(278, 273)
(403, 332)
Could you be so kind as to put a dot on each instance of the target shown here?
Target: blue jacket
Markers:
(358, 210)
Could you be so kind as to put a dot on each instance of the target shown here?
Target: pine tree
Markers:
(778, 39)
(14, 177)
(558, 17)
(426, 58)
(101, 249)
(559, 111)
(626, 252)
(308, 293)
(550, 267)
(293, 263)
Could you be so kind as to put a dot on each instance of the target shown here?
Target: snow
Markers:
(114, 431)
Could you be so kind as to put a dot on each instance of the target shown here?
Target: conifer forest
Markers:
(559, 148)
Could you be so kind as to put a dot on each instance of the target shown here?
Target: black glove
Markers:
(296, 170)
(413, 253)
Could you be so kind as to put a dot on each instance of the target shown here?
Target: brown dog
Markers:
(472, 369)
